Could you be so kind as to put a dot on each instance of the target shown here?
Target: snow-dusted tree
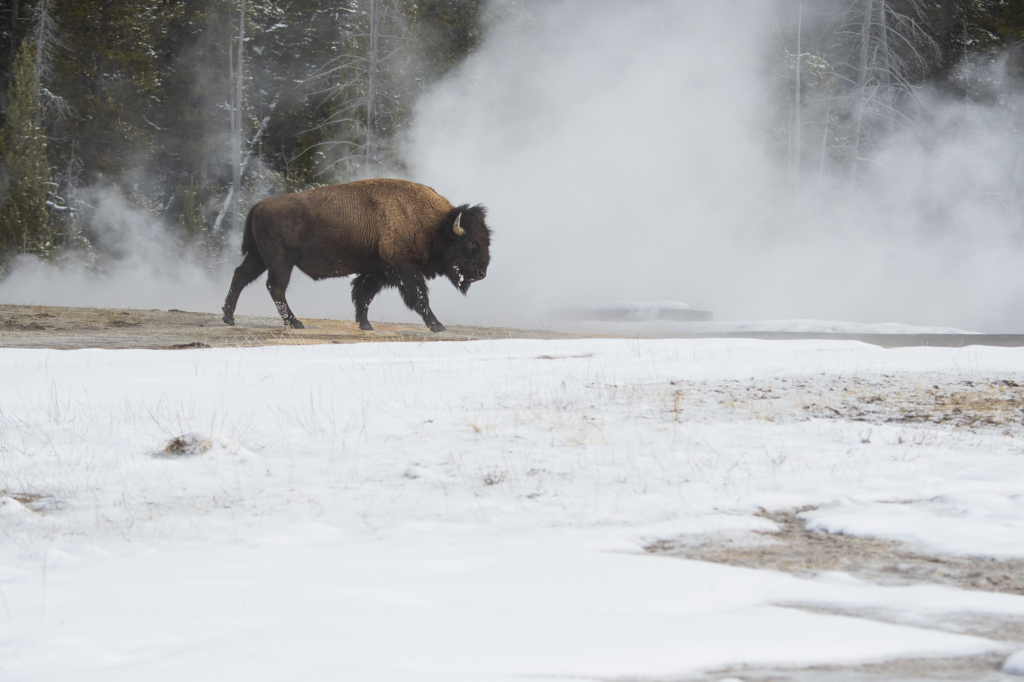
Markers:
(362, 88)
(887, 50)
(802, 123)
(240, 160)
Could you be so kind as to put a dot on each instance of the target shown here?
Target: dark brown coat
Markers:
(388, 232)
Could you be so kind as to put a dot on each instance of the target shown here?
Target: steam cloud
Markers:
(622, 154)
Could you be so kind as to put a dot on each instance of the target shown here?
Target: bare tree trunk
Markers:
(236, 125)
(821, 169)
(229, 200)
(371, 90)
(886, 67)
(797, 142)
(862, 79)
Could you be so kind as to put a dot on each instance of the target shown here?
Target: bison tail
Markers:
(248, 242)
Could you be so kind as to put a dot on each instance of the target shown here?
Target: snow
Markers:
(474, 511)
(654, 327)
(1014, 665)
(969, 523)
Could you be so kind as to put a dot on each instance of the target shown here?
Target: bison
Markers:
(390, 233)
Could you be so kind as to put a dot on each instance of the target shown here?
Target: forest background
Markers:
(176, 105)
(191, 111)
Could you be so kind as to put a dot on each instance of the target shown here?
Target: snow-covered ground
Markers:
(479, 511)
(653, 327)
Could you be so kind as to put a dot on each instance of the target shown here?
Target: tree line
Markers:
(848, 75)
(194, 108)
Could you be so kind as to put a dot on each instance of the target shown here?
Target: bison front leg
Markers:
(413, 286)
(364, 288)
(277, 283)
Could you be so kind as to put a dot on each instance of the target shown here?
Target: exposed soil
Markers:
(984, 403)
(983, 668)
(794, 549)
(24, 326)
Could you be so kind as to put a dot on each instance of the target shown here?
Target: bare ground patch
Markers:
(794, 549)
(984, 668)
(912, 399)
(70, 328)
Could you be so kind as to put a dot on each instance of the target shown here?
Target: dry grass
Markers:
(187, 445)
(904, 399)
(40, 503)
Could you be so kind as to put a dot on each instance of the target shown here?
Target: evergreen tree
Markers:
(142, 88)
(446, 30)
(107, 74)
(25, 225)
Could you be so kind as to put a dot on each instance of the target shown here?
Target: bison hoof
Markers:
(295, 324)
(229, 320)
(366, 326)
(437, 327)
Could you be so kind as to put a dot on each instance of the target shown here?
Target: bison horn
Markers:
(458, 228)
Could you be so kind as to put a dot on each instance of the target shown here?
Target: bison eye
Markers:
(471, 247)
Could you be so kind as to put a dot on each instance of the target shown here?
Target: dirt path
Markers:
(24, 326)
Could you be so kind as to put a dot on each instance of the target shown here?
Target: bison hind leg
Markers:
(251, 268)
(364, 288)
(277, 283)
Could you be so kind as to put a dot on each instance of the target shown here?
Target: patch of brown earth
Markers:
(794, 549)
(904, 399)
(984, 668)
(72, 328)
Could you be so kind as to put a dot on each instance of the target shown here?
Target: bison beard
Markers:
(390, 233)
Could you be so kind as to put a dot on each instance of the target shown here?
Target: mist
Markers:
(623, 154)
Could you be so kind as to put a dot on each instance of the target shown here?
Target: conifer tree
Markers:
(25, 225)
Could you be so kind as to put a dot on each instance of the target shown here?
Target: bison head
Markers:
(466, 250)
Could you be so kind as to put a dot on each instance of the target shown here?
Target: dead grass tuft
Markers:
(37, 502)
(187, 445)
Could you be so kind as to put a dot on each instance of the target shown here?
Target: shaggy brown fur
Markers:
(389, 232)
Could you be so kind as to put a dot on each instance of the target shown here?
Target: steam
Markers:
(622, 154)
(138, 265)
